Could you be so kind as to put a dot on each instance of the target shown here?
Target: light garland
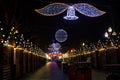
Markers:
(57, 8)
(16, 40)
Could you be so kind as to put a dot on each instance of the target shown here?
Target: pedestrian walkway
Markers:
(51, 71)
(48, 72)
(98, 75)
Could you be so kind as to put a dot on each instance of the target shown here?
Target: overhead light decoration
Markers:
(52, 9)
(61, 35)
(58, 8)
(88, 10)
(70, 14)
(54, 47)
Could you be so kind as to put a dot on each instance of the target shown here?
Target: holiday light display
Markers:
(70, 14)
(52, 9)
(54, 47)
(83, 8)
(61, 35)
(88, 10)
(54, 50)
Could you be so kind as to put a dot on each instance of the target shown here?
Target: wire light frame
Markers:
(52, 9)
(71, 14)
(58, 8)
(61, 35)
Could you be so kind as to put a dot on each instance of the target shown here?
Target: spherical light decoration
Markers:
(61, 35)
(57, 46)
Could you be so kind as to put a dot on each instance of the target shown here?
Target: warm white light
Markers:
(106, 35)
(5, 41)
(8, 37)
(20, 43)
(16, 32)
(1, 29)
(3, 35)
(109, 29)
(60, 57)
(10, 32)
(70, 14)
(2, 41)
(20, 39)
(114, 33)
(47, 56)
(83, 44)
(12, 28)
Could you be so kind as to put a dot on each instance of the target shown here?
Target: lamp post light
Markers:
(112, 35)
(106, 35)
(110, 30)
(83, 45)
(109, 35)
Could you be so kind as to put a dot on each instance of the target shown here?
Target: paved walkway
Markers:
(52, 72)
(48, 72)
(98, 75)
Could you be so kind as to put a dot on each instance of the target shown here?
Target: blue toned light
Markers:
(88, 10)
(70, 14)
(52, 9)
(58, 8)
(61, 35)
(56, 46)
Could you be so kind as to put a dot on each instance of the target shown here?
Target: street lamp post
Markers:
(83, 44)
(109, 35)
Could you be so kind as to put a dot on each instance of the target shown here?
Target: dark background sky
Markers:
(41, 29)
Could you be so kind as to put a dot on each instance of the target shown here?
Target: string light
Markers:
(2, 36)
(16, 40)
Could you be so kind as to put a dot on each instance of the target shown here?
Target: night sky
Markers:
(41, 29)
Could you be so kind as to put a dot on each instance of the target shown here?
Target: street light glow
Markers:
(110, 29)
(106, 34)
(83, 44)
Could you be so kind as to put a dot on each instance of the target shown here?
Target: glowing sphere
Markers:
(56, 46)
(61, 35)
